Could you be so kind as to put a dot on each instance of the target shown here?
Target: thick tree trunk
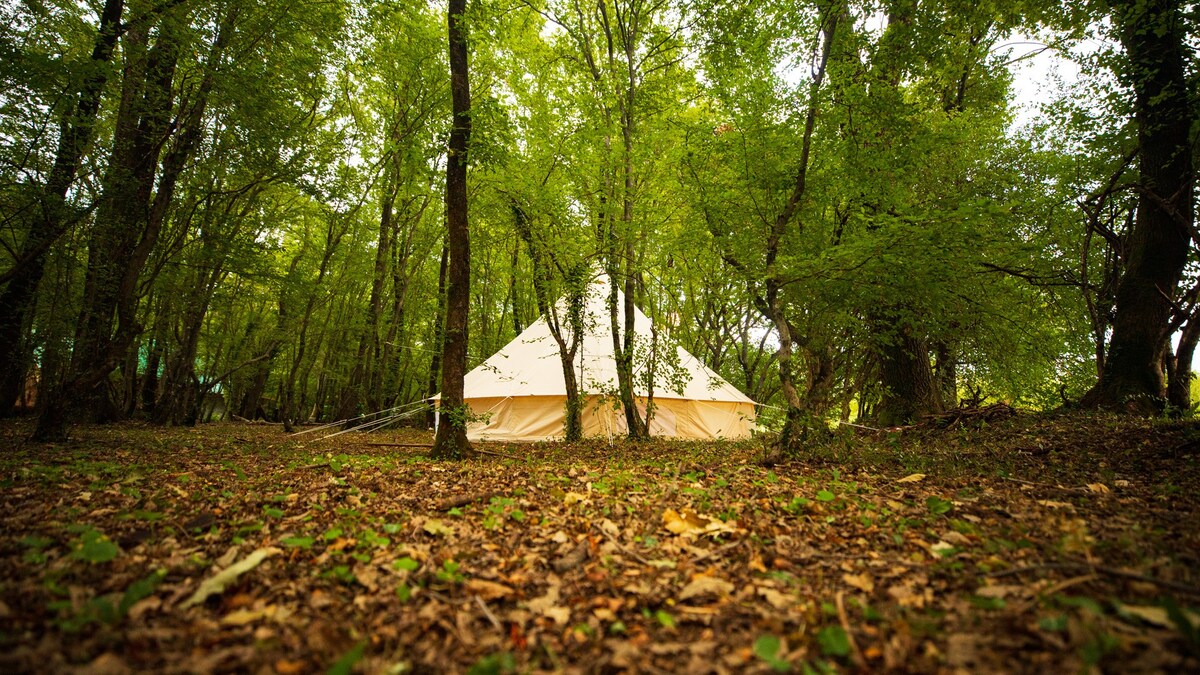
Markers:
(451, 440)
(1152, 34)
(123, 235)
(906, 379)
(24, 277)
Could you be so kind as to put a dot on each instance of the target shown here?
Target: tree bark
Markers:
(451, 440)
(24, 278)
(906, 379)
(567, 338)
(123, 235)
(1151, 32)
(435, 361)
(1179, 384)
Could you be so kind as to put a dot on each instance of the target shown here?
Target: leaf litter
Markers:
(1043, 544)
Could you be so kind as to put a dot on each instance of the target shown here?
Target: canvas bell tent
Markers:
(519, 393)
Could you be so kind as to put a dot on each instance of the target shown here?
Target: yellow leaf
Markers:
(436, 527)
(1098, 488)
(216, 584)
(862, 581)
(1050, 503)
(775, 598)
(912, 478)
(241, 617)
(690, 523)
(1158, 616)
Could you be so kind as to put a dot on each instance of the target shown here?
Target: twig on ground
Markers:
(855, 654)
(1110, 571)
(399, 445)
(715, 551)
(463, 500)
(488, 613)
(498, 454)
(1048, 486)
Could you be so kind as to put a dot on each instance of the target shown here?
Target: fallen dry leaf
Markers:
(912, 478)
(689, 523)
(487, 590)
(217, 584)
(703, 585)
(862, 581)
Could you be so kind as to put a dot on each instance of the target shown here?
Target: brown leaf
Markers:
(487, 590)
(862, 581)
(704, 585)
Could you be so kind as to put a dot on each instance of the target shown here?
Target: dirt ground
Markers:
(1052, 543)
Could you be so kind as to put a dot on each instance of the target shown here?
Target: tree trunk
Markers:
(1179, 385)
(1132, 380)
(366, 360)
(945, 374)
(451, 440)
(52, 218)
(906, 379)
(123, 234)
(435, 361)
(576, 281)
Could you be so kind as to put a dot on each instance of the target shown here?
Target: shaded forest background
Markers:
(829, 203)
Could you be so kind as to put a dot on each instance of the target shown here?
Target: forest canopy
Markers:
(844, 208)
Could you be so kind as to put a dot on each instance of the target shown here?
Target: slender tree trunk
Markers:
(945, 374)
(1152, 34)
(366, 361)
(435, 361)
(1179, 385)
(451, 441)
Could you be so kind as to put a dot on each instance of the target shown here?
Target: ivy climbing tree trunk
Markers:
(1151, 32)
(451, 440)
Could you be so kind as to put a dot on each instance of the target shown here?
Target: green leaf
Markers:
(298, 542)
(94, 547)
(273, 512)
(35, 541)
(833, 641)
(767, 647)
(345, 665)
(825, 496)
(1053, 623)
(664, 618)
(407, 564)
(332, 533)
(494, 664)
(987, 603)
(938, 506)
(140, 590)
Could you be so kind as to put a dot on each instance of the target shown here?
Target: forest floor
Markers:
(1044, 543)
